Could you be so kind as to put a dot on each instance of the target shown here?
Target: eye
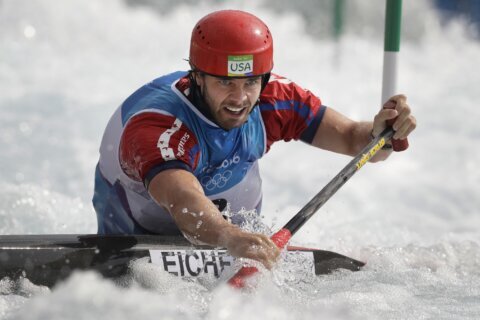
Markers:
(253, 82)
(224, 82)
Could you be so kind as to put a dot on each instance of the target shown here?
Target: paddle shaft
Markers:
(283, 236)
(337, 182)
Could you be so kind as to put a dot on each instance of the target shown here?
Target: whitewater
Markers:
(66, 65)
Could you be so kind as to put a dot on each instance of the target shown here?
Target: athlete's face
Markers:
(230, 100)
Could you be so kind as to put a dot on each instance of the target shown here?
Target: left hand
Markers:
(254, 246)
(395, 107)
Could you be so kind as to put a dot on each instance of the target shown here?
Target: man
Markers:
(185, 147)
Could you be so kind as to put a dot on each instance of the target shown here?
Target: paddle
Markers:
(283, 236)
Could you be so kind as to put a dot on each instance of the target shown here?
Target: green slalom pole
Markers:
(338, 13)
(393, 27)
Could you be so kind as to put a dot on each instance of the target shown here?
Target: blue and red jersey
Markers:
(159, 128)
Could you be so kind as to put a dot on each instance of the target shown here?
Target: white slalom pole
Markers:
(393, 21)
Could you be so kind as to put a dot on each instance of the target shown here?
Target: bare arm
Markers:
(340, 134)
(201, 222)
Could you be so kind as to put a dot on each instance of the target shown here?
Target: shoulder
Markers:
(289, 111)
(280, 88)
(163, 94)
(153, 138)
(170, 78)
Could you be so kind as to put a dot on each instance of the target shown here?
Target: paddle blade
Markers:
(327, 262)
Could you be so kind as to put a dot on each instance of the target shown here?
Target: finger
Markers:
(401, 104)
(270, 243)
(271, 248)
(405, 129)
(394, 101)
(259, 254)
(267, 263)
(267, 251)
(258, 244)
(273, 252)
(387, 114)
(274, 249)
(403, 115)
(257, 247)
(380, 120)
(272, 256)
(264, 240)
(267, 259)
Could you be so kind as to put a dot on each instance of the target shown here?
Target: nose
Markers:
(238, 95)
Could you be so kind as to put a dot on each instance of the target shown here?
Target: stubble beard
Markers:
(217, 113)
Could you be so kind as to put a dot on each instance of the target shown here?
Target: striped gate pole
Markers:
(393, 23)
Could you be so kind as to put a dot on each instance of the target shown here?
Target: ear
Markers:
(199, 78)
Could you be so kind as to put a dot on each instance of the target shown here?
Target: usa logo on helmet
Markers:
(240, 65)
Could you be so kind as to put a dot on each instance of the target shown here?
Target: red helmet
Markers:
(231, 43)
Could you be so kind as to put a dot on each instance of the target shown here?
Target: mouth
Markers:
(235, 111)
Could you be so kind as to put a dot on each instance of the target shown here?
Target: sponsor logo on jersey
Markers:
(192, 263)
(240, 65)
(164, 141)
(181, 144)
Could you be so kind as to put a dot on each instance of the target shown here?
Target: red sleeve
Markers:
(289, 111)
(152, 139)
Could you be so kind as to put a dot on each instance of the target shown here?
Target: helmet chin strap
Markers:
(265, 79)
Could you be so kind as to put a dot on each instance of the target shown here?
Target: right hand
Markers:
(395, 108)
(253, 246)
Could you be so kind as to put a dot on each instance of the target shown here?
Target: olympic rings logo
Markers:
(219, 180)
(225, 164)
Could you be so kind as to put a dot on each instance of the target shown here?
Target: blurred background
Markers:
(65, 66)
